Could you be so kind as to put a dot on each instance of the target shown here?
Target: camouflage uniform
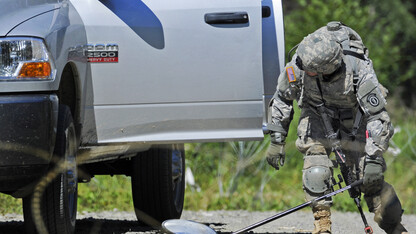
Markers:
(352, 86)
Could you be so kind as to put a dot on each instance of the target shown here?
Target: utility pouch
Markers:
(346, 117)
(370, 97)
(269, 110)
(345, 114)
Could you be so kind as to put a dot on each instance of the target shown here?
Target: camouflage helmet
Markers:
(319, 54)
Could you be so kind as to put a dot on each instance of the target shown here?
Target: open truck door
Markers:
(180, 70)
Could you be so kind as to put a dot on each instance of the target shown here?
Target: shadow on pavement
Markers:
(86, 226)
(12, 227)
(109, 226)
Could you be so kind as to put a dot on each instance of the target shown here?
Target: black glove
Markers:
(276, 155)
(373, 174)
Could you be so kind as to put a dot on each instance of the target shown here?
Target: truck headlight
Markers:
(25, 58)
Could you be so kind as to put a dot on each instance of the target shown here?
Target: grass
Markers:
(234, 175)
(106, 193)
(101, 193)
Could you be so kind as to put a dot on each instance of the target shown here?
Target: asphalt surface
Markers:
(115, 222)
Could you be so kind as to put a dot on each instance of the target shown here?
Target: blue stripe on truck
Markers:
(140, 18)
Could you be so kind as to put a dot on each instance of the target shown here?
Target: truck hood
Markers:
(14, 12)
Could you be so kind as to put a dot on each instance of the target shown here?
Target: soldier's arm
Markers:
(281, 106)
(371, 96)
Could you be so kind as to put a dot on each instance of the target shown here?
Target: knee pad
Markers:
(317, 173)
(316, 179)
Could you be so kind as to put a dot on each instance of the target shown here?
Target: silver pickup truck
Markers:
(104, 87)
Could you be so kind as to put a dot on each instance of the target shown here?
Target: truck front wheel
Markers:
(158, 184)
(52, 207)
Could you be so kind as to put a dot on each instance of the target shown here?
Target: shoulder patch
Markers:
(291, 74)
(373, 99)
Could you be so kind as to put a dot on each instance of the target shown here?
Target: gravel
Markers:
(116, 222)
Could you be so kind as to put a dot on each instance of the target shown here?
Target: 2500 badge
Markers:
(100, 53)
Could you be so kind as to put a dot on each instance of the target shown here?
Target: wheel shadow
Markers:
(87, 226)
(12, 227)
(109, 226)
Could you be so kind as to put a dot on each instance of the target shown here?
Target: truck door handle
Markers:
(226, 18)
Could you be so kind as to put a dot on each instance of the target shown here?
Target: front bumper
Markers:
(27, 138)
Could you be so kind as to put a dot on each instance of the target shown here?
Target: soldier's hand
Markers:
(373, 175)
(276, 154)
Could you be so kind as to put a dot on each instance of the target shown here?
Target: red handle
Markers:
(368, 230)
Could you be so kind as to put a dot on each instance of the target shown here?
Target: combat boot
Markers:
(398, 229)
(322, 221)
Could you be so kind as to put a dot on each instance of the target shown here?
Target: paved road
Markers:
(115, 222)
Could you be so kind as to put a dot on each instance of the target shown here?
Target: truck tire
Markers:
(55, 197)
(158, 184)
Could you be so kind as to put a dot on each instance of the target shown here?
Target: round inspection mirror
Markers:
(181, 226)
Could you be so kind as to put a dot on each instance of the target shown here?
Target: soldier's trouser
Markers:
(317, 171)
(317, 167)
(386, 207)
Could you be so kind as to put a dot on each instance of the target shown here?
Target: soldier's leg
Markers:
(317, 169)
(316, 177)
(386, 206)
(387, 209)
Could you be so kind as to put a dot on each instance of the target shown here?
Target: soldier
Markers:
(330, 71)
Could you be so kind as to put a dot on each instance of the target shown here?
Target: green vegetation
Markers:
(106, 193)
(9, 204)
(386, 26)
(235, 175)
(228, 181)
(101, 193)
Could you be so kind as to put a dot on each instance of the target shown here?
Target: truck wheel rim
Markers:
(177, 172)
(71, 172)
